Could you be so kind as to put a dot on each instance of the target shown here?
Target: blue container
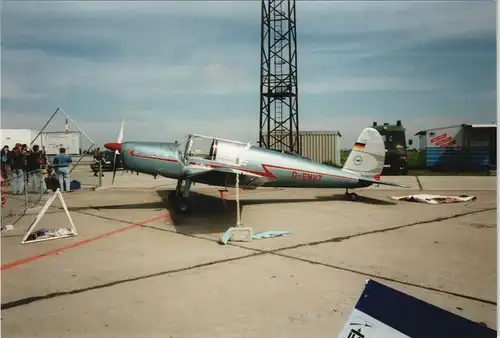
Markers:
(464, 159)
(75, 185)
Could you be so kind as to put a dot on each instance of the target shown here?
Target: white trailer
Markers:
(53, 141)
(12, 136)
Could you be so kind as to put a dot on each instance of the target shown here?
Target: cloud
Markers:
(171, 68)
(359, 84)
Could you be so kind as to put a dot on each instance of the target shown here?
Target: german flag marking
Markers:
(359, 146)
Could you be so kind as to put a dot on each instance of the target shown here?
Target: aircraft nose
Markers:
(113, 146)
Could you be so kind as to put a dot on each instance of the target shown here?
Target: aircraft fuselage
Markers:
(274, 169)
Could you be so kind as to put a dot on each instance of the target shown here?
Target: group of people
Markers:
(23, 166)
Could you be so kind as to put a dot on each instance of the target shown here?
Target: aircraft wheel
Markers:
(404, 170)
(183, 207)
(353, 196)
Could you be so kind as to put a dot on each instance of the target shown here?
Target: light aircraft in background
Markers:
(255, 166)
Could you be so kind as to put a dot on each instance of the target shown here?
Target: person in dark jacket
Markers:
(98, 158)
(18, 164)
(5, 156)
(33, 160)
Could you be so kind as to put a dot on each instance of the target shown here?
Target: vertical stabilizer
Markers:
(367, 155)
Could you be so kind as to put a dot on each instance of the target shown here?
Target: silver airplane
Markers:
(255, 166)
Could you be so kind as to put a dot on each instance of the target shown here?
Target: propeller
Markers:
(117, 148)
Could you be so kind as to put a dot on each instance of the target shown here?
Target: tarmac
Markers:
(139, 269)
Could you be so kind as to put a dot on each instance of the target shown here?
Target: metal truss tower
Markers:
(279, 113)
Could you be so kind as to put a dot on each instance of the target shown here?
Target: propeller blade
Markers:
(116, 147)
(114, 169)
(120, 135)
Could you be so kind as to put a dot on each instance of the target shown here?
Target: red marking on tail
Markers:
(113, 146)
(376, 177)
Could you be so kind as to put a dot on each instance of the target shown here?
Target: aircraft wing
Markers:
(382, 182)
(249, 181)
(194, 170)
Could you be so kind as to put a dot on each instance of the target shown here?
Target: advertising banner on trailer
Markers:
(445, 137)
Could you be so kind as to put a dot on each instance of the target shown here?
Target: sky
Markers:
(172, 68)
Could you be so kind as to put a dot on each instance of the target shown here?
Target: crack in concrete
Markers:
(343, 238)
(357, 272)
(28, 300)
(257, 252)
(419, 183)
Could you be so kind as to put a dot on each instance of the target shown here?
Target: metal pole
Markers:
(45, 126)
(26, 199)
(76, 125)
(238, 220)
(100, 173)
(42, 181)
(81, 158)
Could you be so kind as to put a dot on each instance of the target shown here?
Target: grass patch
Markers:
(416, 159)
(423, 172)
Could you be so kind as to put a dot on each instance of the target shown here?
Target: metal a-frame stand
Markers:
(239, 233)
(92, 143)
(42, 212)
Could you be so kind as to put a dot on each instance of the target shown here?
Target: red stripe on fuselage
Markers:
(269, 174)
(133, 154)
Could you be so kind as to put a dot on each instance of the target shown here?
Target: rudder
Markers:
(367, 156)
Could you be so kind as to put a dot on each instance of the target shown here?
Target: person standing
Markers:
(43, 167)
(5, 164)
(18, 164)
(61, 165)
(34, 166)
(25, 150)
(99, 160)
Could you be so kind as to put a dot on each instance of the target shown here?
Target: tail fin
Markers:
(368, 155)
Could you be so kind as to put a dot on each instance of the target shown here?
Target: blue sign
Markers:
(382, 312)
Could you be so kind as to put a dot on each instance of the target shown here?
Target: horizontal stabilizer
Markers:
(382, 182)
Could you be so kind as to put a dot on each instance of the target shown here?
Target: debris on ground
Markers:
(47, 233)
(435, 199)
(7, 227)
(228, 235)
(270, 234)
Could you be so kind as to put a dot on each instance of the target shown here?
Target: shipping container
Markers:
(467, 147)
(320, 146)
(53, 141)
(23, 136)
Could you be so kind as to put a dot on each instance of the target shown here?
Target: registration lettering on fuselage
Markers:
(306, 176)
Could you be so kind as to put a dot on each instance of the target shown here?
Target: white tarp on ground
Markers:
(435, 199)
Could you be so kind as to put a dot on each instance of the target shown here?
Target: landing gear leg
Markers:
(178, 192)
(182, 194)
(351, 195)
